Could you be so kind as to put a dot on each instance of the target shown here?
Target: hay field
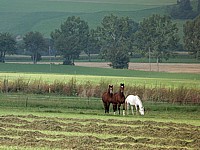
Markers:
(163, 67)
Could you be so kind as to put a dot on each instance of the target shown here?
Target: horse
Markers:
(119, 99)
(134, 100)
(107, 98)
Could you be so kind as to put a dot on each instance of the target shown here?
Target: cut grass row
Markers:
(41, 126)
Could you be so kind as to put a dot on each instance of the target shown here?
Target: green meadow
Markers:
(50, 73)
(21, 16)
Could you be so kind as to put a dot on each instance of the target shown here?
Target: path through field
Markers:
(75, 133)
(163, 67)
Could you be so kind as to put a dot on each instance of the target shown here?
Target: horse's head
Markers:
(122, 87)
(141, 110)
(110, 89)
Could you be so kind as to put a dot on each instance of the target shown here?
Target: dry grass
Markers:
(163, 67)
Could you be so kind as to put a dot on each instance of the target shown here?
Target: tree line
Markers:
(115, 39)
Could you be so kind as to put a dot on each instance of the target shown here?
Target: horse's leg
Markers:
(127, 105)
(119, 108)
(132, 109)
(136, 109)
(114, 108)
(123, 109)
(105, 107)
(108, 107)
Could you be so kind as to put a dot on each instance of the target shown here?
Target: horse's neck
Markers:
(139, 103)
(109, 93)
(121, 93)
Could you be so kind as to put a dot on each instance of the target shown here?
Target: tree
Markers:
(116, 34)
(35, 43)
(71, 39)
(192, 36)
(7, 45)
(183, 10)
(93, 44)
(157, 35)
(198, 7)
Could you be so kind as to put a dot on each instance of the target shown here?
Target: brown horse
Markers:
(107, 98)
(119, 99)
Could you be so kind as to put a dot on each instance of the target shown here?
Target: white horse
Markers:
(134, 100)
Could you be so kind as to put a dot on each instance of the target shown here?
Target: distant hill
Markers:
(21, 16)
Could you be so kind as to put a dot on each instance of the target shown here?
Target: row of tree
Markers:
(115, 39)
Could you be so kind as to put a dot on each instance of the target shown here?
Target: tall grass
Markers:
(182, 95)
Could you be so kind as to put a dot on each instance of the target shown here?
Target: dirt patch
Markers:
(73, 133)
(163, 67)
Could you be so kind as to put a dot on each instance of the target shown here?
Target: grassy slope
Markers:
(62, 73)
(21, 16)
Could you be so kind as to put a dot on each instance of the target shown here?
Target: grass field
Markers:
(21, 16)
(51, 73)
(52, 121)
(46, 123)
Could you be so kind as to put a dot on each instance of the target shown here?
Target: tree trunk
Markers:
(149, 59)
(197, 55)
(2, 57)
(34, 58)
(157, 64)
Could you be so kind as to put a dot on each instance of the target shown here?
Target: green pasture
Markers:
(79, 6)
(77, 107)
(61, 73)
(21, 16)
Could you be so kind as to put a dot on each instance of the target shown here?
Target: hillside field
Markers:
(21, 16)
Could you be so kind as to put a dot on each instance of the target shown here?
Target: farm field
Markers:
(21, 16)
(28, 128)
(53, 121)
(51, 73)
(163, 67)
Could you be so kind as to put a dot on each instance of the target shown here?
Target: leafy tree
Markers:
(157, 35)
(93, 44)
(183, 10)
(71, 38)
(198, 6)
(116, 39)
(35, 43)
(192, 36)
(7, 45)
